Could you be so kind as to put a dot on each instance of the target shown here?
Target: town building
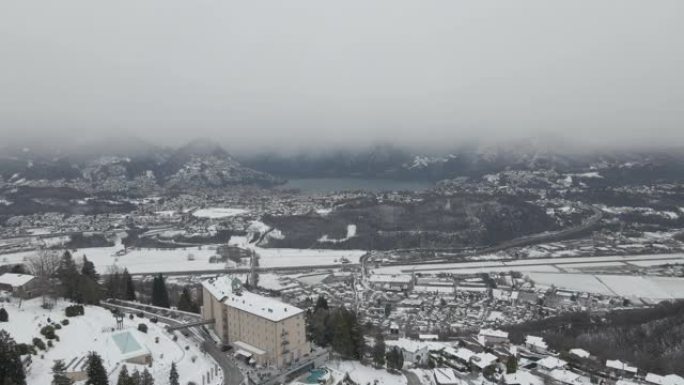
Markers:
(20, 285)
(391, 282)
(262, 330)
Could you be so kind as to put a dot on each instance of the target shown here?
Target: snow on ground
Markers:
(631, 286)
(172, 260)
(657, 262)
(621, 285)
(272, 257)
(576, 282)
(270, 281)
(523, 265)
(364, 375)
(312, 280)
(351, 232)
(140, 260)
(92, 332)
(218, 212)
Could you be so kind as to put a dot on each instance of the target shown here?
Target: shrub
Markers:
(140, 314)
(156, 340)
(130, 316)
(142, 328)
(37, 342)
(65, 322)
(49, 344)
(154, 320)
(175, 338)
(4, 317)
(25, 349)
(57, 326)
(48, 332)
(74, 310)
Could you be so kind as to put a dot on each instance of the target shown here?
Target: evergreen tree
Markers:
(347, 339)
(185, 302)
(379, 350)
(160, 295)
(173, 375)
(89, 291)
(4, 317)
(395, 359)
(11, 368)
(511, 365)
(68, 276)
(129, 293)
(58, 374)
(147, 378)
(113, 285)
(88, 270)
(321, 303)
(136, 378)
(97, 375)
(124, 378)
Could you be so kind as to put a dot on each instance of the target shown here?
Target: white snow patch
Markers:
(218, 212)
(367, 375)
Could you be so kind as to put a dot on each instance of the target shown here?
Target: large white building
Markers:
(271, 332)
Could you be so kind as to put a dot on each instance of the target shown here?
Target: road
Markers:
(411, 378)
(231, 373)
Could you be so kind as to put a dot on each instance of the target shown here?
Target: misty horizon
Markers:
(304, 76)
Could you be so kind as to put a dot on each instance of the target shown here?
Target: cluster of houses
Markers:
(486, 358)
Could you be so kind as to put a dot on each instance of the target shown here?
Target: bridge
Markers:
(189, 324)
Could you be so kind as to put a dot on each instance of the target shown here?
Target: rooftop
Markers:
(15, 280)
(228, 290)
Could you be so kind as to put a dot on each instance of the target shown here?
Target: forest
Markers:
(650, 338)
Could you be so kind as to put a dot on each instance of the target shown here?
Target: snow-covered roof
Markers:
(522, 377)
(264, 307)
(670, 379)
(482, 360)
(617, 364)
(446, 376)
(566, 377)
(550, 363)
(493, 333)
(15, 280)
(408, 345)
(536, 341)
(391, 278)
(581, 353)
(428, 337)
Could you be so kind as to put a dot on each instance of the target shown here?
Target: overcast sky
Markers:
(264, 74)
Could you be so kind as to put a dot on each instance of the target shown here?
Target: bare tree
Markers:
(44, 266)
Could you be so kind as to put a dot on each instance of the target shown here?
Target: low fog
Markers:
(311, 74)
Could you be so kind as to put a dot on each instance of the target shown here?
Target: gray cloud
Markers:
(309, 72)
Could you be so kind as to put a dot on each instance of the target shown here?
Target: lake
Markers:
(327, 185)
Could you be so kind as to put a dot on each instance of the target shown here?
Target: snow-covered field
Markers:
(92, 332)
(175, 260)
(298, 257)
(140, 260)
(621, 285)
(363, 375)
(530, 265)
(218, 212)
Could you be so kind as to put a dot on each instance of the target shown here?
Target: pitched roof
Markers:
(15, 280)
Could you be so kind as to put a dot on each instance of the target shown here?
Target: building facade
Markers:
(270, 332)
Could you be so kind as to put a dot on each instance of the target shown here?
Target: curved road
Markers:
(231, 373)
